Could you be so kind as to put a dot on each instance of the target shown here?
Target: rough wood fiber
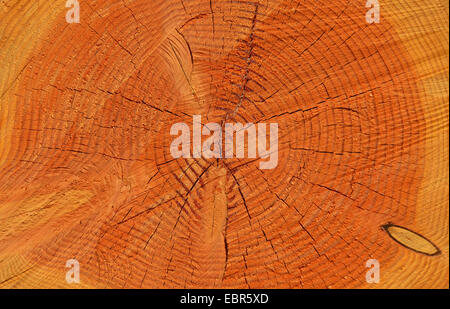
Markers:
(86, 170)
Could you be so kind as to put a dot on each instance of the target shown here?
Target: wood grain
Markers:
(86, 171)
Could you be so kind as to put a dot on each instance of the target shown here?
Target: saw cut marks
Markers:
(86, 171)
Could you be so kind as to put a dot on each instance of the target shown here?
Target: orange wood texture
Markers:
(86, 171)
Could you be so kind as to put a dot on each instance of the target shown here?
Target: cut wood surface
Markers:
(86, 171)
